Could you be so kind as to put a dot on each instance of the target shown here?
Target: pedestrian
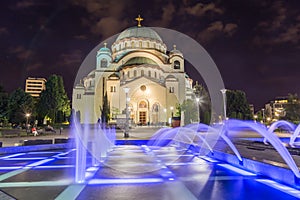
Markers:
(34, 131)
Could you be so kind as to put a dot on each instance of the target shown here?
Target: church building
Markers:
(138, 69)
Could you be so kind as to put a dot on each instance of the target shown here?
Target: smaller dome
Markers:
(171, 77)
(104, 49)
(114, 76)
(175, 51)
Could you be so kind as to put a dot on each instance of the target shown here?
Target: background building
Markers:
(34, 86)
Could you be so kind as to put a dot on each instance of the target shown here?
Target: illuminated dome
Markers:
(139, 32)
(140, 60)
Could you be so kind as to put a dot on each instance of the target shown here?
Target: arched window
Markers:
(125, 45)
(103, 63)
(142, 73)
(128, 74)
(132, 44)
(176, 64)
(148, 44)
(155, 75)
(155, 107)
(143, 104)
(141, 44)
(149, 73)
(134, 73)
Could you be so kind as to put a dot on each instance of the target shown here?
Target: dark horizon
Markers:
(255, 44)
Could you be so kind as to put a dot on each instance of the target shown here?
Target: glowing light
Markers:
(124, 181)
(40, 162)
(206, 158)
(281, 187)
(34, 158)
(35, 184)
(10, 168)
(237, 170)
(11, 156)
(54, 166)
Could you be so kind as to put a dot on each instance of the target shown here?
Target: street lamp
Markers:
(171, 120)
(27, 115)
(255, 117)
(263, 117)
(126, 133)
(198, 99)
(224, 101)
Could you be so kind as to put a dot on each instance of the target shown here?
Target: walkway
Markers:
(133, 173)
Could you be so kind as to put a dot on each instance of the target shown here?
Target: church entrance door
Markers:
(142, 117)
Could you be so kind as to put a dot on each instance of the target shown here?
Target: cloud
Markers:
(74, 57)
(80, 37)
(104, 19)
(20, 52)
(166, 17)
(27, 4)
(201, 9)
(215, 29)
(34, 66)
(93, 7)
(279, 27)
(108, 26)
(230, 28)
(291, 35)
(3, 31)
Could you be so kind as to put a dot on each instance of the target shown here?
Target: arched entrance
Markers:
(142, 112)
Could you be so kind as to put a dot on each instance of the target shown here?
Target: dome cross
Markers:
(139, 19)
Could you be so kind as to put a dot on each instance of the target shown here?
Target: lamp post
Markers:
(126, 133)
(171, 121)
(198, 106)
(166, 118)
(224, 101)
(255, 118)
(263, 117)
(27, 115)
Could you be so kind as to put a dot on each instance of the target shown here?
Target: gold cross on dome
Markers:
(139, 19)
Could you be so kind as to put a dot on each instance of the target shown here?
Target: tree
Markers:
(105, 110)
(189, 107)
(204, 103)
(237, 105)
(19, 104)
(54, 102)
(292, 109)
(3, 106)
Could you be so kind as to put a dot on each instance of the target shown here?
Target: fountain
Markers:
(279, 124)
(294, 136)
(97, 142)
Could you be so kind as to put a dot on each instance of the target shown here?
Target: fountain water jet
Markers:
(272, 138)
(279, 124)
(95, 141)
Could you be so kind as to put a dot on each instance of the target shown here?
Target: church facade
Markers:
(139, 63)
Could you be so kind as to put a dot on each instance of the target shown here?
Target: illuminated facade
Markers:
(138, 60)
(34, 86)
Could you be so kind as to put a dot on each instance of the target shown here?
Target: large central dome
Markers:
(139, 32)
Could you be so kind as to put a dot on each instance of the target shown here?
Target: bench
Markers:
(12, 132)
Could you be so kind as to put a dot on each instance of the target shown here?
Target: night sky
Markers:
(255, 43)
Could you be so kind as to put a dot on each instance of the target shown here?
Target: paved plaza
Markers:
(133, 172)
